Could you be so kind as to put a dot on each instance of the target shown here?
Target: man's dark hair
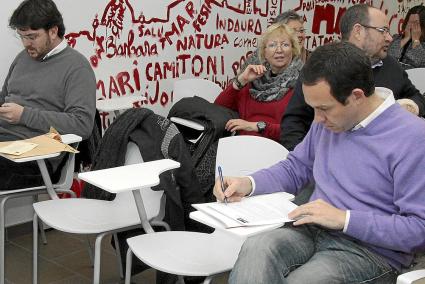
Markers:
(343, 66)
(37, 14)
(357, 14)
(287, 16)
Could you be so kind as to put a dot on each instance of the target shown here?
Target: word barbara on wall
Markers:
(141, 47)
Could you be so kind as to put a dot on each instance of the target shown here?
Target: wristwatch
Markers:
(261, 125)
(238, 83)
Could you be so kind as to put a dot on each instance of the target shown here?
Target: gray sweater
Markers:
(59, 92)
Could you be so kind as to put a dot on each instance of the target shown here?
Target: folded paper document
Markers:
(251, 211)
(17, 148)
(45, 144)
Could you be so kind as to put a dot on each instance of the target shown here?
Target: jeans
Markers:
(308, 254)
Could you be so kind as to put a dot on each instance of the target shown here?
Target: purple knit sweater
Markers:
(376, 172)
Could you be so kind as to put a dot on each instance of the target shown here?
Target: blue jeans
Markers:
(308, 254)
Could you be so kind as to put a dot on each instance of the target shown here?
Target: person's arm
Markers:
(229, 97)
(399, 231)
(291, 174)
(288, 175)
(296, 120)
(3, 92)
(272, 131)
(417, 55)
(253, 59)
(80, 107)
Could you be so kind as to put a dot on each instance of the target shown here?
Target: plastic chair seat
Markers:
(186, 253)
(90, 216)
(416, 75)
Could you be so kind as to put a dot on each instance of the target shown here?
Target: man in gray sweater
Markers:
(49, 84)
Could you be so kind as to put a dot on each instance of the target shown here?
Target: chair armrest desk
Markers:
(131, 177)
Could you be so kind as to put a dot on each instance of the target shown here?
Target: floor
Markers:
(64, 260)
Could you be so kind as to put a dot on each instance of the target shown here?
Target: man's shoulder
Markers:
(398, 119)
(390, 62)
(22, 55)
(75, 57)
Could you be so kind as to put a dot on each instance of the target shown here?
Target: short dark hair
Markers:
(420, 10)
(287, 16)
(37, 14)
(343, 66)
(357, 14)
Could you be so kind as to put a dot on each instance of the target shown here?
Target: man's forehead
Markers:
(318, 95)
(25, 31)
(377, 18)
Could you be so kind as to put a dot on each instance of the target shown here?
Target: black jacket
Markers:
(213, 117)
(157, 138)
(298, 115)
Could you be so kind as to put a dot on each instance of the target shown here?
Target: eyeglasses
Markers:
(274, 45)
(382, 30)
(299, 31)
(29, 37)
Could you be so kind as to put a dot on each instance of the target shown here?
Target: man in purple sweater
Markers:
(366, 216)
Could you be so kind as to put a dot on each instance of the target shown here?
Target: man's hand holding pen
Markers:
(235, 188)
(316, 212)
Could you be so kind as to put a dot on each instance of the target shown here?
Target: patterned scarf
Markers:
(270, 87)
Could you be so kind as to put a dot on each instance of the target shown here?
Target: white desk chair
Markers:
(91, 216)
(200, 254)
(417, 76)
(117, 104)
(414, 276)
(194, 87)
(63, 185)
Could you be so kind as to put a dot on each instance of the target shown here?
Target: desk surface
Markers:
(119, 103)
(66, 139)
(129, 177)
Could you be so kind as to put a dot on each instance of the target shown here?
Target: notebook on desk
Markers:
(267, 209)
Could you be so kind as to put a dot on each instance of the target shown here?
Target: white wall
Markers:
(190, 20)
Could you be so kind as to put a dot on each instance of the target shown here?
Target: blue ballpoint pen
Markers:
(220, 174)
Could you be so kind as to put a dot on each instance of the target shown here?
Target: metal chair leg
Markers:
(40, 224)
(162, 224)
(118, 252)
(2, 238)
(129, 259)
(97, 254)
(208, 280)
(90, 250)
(180, 279)
(35, 250)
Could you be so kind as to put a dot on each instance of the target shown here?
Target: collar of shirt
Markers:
(377, 64)
(61, 46)
(389, 100)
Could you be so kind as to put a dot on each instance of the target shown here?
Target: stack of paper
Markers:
(251, 211)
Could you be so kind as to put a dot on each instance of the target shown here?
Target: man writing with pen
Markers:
(366, 216)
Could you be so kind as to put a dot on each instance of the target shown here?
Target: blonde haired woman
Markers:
(259, 94)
